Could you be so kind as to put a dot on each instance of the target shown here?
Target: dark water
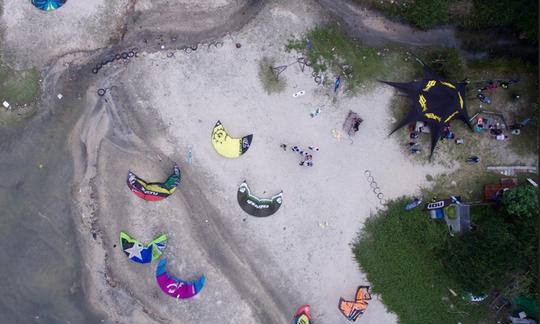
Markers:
(40, 280)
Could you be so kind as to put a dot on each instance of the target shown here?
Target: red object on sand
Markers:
(302, 315)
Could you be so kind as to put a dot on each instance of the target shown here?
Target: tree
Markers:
(521, 213)
(480, 259)
(503, 247)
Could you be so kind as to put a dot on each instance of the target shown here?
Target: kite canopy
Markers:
(48, 5)
(436, 102)
(353, 309)
(136, 252)
(302, 315)
(154, 191)
(256, 206)
(175, 287)
(227, 146)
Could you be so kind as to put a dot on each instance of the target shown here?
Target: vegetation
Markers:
(329, 50)
(18, 87)
(447, 62)
(424, 14)
(271, 82)
(519, 15)
(412, 262)
(535, 112)
(503, 246)
(396, 249)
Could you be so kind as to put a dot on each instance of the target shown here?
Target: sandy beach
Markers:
(299, 255)
(164, 102)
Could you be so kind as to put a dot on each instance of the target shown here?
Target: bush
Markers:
(502, 248)
(396, 250)
(521, 207)
(271, 83)
(447, 62)
(427, 14)
(479, 260)
(521, 15)
(535, 113)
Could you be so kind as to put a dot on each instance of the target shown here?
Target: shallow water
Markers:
(39, 260)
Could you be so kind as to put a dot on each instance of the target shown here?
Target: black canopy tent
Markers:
(436, 102)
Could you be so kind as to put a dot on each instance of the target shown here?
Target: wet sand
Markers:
(40, 259)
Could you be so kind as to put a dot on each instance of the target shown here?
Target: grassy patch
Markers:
(514, 111)
(18, 87)
(447, 62)
(271, 83)
(329, 50)
(521, 148)
(397, 252)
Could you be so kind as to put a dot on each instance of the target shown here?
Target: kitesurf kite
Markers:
(227, 146)
(256, 206)
(154, 191)
(140, 253)
(175, 287)
(48, 5)
(353, 309)
(436, 102)
(302, 315)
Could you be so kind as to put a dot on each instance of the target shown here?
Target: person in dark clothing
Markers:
(473, 159)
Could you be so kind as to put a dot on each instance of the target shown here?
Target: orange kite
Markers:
(353, 309)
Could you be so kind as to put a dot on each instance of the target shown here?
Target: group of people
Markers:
(492, 85)
(306, 158)
(495, 129)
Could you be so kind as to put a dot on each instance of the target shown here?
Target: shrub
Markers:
(271, 83)
(330, 49)
(479, 260)
(521, 15)
(447, 62)
(502, 248)
(427, 14)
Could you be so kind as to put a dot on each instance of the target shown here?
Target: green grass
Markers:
(333, 53)
(271, 83)
(18, 87)
(397, 252)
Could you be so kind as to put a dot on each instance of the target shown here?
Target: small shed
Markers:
(458, 218)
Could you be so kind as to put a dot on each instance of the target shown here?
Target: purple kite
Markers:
(175, 287)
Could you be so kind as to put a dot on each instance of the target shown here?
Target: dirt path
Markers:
(376, 29)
